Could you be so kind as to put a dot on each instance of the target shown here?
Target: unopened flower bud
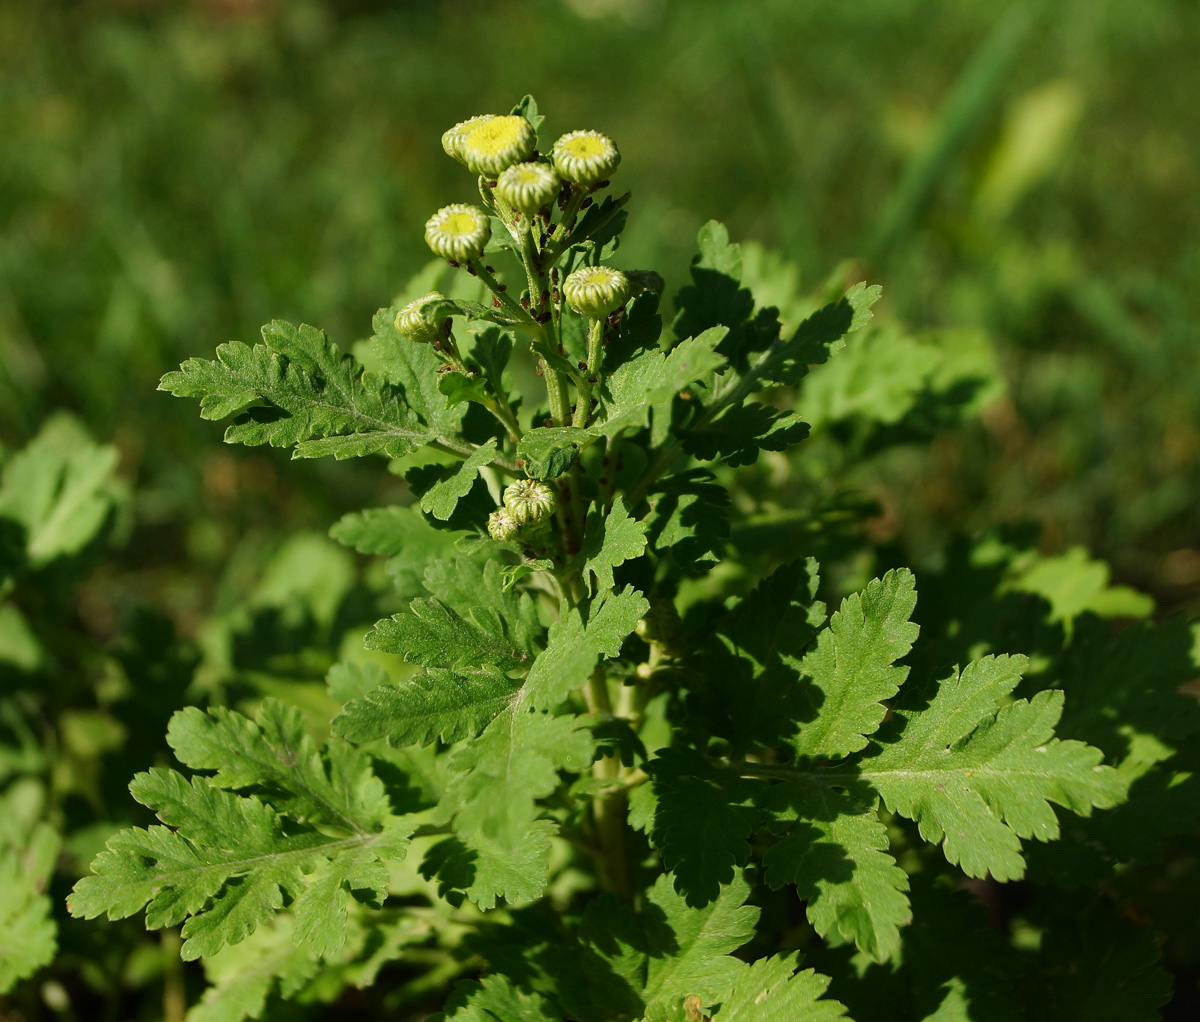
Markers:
(458, 232)
(488, 145)
(501, 525)
(528, 186)
(414, 326)
(585, 158)
(452, 139)
(528, 500)
(595, 291)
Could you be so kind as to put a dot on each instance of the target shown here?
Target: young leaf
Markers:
(549, 451)
(28, 936)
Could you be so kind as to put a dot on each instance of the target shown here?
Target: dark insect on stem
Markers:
(586, 202)
(582, 366)
(525, 301)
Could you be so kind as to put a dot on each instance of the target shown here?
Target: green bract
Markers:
(458, 232)
(585, 158)
(594, 732)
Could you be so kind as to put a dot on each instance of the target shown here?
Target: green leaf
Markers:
(401, 534)
(688, 520)
(472, 624)
(528, 109)
(739, 432)
(28, 936)
(298, 390)
(222, 860)
(851, 667)
(61, 488)
(549, 451)
(338, 790)
(608, 542)
(652, 380)
(978, 776)
(837, 856)
(771, 990)
(700, 964)
(434, 705)
(594, 629)
(494, 1000)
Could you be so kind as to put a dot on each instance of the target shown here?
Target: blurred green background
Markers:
(172, 175)
(1023, 177)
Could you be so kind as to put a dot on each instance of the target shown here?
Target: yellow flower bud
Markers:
(585, 158)
(528, 500)
(452, 139)
(458, 232)
(489, 145)
(502, 526)
(529, 186)
(595, 291)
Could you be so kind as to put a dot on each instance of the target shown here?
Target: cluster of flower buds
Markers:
(502, 149)
(528, 504)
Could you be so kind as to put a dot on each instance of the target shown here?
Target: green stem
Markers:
(553, 247)
(591, 378)
(453, 446)
(502, 296)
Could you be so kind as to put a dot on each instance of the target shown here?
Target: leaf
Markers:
(608, 542)
(652, 380)
(528, 109)
(227, 861)
(699, 963)
(401, 534)
(473, 624)
(688, 520)
(442, 497)
(28, 935)
(837, 856)
(771, 990)
(275, 750)
(700, 823)
(594, 629)
(549, 451)
(977, 776)
(298, 390)
(494, 1000)
(61, 488)
(741, 431)
(434, 705)
(851, 667)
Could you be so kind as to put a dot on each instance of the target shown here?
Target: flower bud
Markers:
(488, 145)
(585, 158)
(528, 500)
(501, 525)
(452, 139)
(595, 291)
(528, 186)
(458, 232)
(414, 326)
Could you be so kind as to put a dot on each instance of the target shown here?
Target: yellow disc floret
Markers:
(585, 158)
(595, 291)
(452, 139)
(458, 232)
(528, 186)
(489, 145)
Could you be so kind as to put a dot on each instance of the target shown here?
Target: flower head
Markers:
(595, 291)
(585, 158)
(413, 325)
(529, 186)
(488, 145)
(458, 232)
(501, 525)
(452, 138)
(528, 500)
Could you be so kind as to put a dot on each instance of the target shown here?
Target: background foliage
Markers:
(1021, 178)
